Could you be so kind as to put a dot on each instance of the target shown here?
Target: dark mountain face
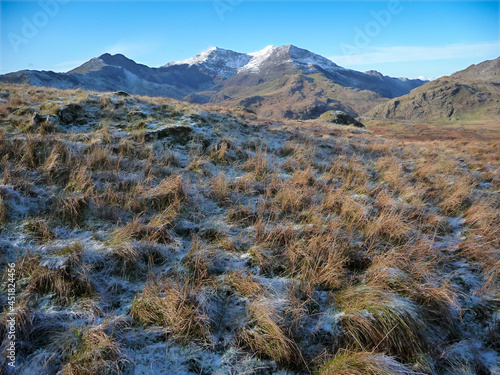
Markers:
(289, 79)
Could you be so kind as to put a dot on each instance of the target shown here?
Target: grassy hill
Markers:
(150, 236)
(467, 95)
(445, 99)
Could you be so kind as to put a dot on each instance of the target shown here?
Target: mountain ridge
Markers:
(469, 94)
(278, 82)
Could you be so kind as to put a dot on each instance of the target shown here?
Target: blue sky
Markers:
(405, 38)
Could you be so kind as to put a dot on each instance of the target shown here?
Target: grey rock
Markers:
(71, 114)
(341, 118)
(178, 134)
(121, 93)
(38, 118)
(136, 115)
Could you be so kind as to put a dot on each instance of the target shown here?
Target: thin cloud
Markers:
(374, 55)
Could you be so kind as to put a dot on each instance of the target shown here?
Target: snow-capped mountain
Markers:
(299, 57)
(284, 81)
(218, 61)
(227, 63)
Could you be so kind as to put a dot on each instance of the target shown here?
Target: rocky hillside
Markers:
(277, 82)
(470, 94)
(150, 236)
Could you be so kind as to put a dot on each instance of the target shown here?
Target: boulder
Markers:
(121, 93)
(38, 118)
(341, 118)
(178, 134)
(136, 115)
(71, 114)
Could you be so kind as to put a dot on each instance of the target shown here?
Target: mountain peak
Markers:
(216, 60)
(227, 63)
(107, 59)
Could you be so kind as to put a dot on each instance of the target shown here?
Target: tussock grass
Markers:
(220, 188)
(376, 319)
(72, 208)
(362, 363)
(220, 153)
(62, 281)
(58, 164)
(4, 212)
(89, 351)
(257, 164)
(173, 305)
(198, 263)
(39, 229)
(372, 254)
(293, 199)
(243, 215)
(155, 231)
(457, 196)
(317, 261)
(244, 283)
(266, 335)
(80, 181)
(410, 271)
(169, 192)
(389, 224)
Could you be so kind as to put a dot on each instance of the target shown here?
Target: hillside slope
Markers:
(470, 94)
(147, 235)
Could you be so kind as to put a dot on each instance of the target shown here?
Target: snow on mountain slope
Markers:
(227, 63)
(306, 58)
(257, 58)
(216, 60)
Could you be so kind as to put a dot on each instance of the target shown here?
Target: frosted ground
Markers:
(156, 237)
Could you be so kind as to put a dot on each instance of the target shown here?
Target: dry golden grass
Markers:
(365, 252)
(389, 224)
(198, 263)
(220, 188)
(169, 192)
(90, 351)
(244, 283)
(170, 304)
(39, 229)
(317, 261)
(362, 363)
(67, 284)
(266, 335)
(71, 208)
(257, 164)
(376, 319)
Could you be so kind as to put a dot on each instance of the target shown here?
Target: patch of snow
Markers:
(257, 59)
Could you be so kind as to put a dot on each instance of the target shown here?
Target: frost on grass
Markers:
(155, 237)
